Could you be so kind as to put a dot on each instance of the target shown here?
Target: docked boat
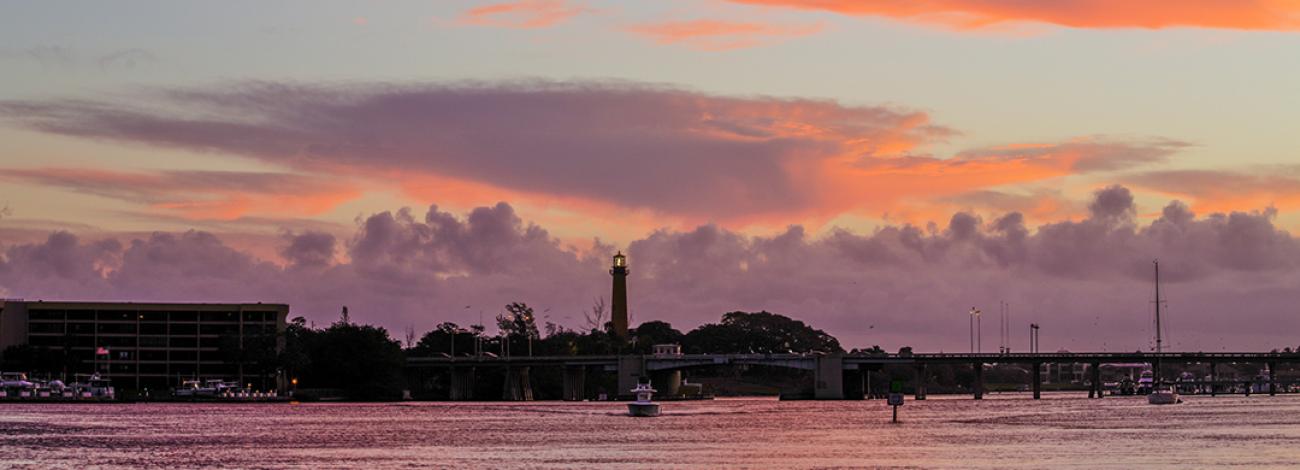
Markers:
(1146, 383)
(93, 386)
(209, 388)
(15, 384)
(643, 407)
(1161, 393)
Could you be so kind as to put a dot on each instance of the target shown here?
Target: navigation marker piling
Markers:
(896, 397)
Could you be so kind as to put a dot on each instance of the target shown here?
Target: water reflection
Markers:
(1001, 432)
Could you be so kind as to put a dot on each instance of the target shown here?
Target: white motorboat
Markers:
(643, 407)
(16, 380)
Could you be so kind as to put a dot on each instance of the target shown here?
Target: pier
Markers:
(835, 376)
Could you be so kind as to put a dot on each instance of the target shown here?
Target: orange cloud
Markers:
(521, 14)
(717, 35)
(223, 195)
(1225, 191)
(1268, 15)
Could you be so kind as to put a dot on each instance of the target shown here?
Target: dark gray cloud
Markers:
(1230, 278)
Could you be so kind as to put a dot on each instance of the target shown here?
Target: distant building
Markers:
(149, 345)
(1065, 373)
(666, 349)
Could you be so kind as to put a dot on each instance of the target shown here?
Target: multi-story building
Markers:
(150, 345)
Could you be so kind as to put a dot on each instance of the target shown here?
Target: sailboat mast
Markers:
(1158, 337)
(1159, 348)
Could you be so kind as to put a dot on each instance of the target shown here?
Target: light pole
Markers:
(974, 320)
(1033, 337)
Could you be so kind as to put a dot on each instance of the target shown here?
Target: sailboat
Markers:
(1161, 392)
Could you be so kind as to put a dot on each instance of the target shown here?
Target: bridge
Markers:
(835, 376)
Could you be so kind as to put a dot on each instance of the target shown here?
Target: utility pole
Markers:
(974, 320)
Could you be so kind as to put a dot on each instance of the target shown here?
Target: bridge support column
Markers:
(1214, 379)
(1037, 380)
(667, 382)
(630, 370)
(462, 384)
(1096, 388)
(517, 387)
(829, 377)
(922, 376)
(1272, 379)
(978, 384)
(575, 381)
(854, 384)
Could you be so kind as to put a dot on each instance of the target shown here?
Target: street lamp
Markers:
(974, 322)
(1033, 337)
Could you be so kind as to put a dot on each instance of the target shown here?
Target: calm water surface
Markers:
(1004, 431)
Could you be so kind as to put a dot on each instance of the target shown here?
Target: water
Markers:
(1000, 432)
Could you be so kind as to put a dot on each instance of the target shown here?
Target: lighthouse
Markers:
(618, 300)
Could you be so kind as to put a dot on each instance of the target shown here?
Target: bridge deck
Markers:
(855, 360)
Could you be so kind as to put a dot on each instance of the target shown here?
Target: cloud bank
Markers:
(1230, 278)
(694, 156)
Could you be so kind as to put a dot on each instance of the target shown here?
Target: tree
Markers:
(440, 340)
(518, 326)
(518, 321)
(651, 333)
(596, 317)
(360, 359)
(759, 332)
(295, 358)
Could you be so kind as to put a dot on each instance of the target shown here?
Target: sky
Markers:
(874, 168)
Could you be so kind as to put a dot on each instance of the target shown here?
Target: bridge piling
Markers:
(517, 386)
(921, 378)
(575, 381)
(1096, 381)
(462, 383)
(1214, 379)
(1038, 380)
(1272, 378)
(979, 381)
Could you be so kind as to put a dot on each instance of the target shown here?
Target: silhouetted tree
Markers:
(360, 359)
(596, 317)
(651, 333)
(439, 341)
(759, 332)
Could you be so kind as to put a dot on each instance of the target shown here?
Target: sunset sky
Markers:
(875, 168)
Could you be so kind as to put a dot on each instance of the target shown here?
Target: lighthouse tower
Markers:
(618, 301)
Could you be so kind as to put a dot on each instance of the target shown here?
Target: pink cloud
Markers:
(717, 35)
(522, 14)
(223, 195)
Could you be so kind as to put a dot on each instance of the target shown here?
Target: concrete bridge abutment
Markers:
(828, 377)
